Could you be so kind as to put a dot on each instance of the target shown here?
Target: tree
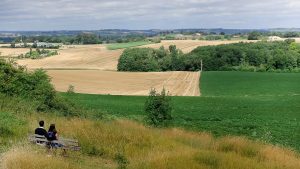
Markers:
(253, 35)
(158, 108)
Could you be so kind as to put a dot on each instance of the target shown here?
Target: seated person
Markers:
(52, 135)
(40, 130)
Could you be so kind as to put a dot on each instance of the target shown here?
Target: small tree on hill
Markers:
(158, 108)
(71, 89)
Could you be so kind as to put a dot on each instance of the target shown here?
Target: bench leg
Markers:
(64, 153)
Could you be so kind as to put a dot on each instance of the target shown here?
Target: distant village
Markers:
(36, 44)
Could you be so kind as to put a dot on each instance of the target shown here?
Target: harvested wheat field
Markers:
(188, 45)
(126, 83)
(99, 57)
(12, 52)
(78, 57)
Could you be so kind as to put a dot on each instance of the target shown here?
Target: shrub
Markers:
(35, 86)
(38, 54)
(71, 89)
(121, 160)
(158, 108)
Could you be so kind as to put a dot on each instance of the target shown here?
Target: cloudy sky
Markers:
(139, 14)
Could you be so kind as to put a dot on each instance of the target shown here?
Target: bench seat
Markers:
(70, 144)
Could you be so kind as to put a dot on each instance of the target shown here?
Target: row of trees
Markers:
(255, 35)
(82, 38)
(260, 56)
(38, 54)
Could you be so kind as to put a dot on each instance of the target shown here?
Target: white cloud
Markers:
(134, 14)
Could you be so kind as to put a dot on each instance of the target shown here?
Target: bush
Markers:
(38, 54)
(158, 108)
(71, 89)
(35, 86)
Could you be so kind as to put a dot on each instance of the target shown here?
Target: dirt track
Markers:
(126, 83)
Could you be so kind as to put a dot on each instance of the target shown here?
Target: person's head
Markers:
(52, 127)
(41, 123)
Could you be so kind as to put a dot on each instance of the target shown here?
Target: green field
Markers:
(245, 84)
(115, 46)
(261, 106)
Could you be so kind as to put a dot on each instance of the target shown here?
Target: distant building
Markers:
(46, 45)
(275, 38)
(19, 45)
(179, 37)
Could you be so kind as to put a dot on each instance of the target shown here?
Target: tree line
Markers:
(260, 56)
(82, 38)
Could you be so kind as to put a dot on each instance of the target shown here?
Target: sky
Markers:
(42, 15)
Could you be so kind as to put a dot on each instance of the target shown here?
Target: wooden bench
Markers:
(66, 144)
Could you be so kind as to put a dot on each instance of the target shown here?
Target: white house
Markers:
(275, 38)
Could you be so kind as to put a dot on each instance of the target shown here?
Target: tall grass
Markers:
(126, 144)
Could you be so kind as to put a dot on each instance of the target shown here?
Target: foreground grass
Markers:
(127, 45)
(126, 144)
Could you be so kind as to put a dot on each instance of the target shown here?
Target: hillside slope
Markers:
(126, 144)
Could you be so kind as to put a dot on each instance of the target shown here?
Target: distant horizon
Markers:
(53, 30)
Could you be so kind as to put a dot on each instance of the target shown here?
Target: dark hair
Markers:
(52, 128)
(41, 123)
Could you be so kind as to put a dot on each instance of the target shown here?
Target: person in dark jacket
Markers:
(40, 130)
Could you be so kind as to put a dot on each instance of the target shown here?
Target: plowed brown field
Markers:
(126, 83)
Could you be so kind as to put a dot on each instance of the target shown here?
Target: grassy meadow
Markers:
(243, 84)
(125, 144)
(110, 139)
(115, 46)
(263, 106)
